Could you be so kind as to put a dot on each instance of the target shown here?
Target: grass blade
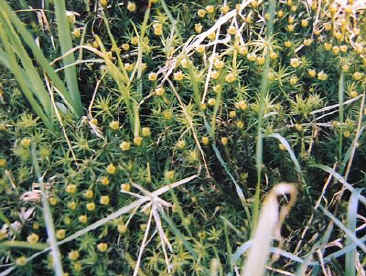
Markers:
(10, 17)
(351, 224)
(228, 246)
(341, 252)
(57, 264)
(289, 150)
(63, 29)
(176, 231)
(348, 232)
(23, 244)
(341, 111)
(263, 93)
(340, 179)
(22, 77)
(239, 191)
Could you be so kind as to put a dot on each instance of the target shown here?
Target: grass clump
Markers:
(149, 137)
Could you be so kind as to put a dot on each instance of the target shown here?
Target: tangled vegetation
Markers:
(141, 138)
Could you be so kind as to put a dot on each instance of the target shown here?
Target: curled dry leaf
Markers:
(36, 194)
(26, 214)
(33, 196)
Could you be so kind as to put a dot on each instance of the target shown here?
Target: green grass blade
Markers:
(232, 227)
(10, 16)
(263, 93)
(21, 77)
(171, 18)
(341, 112)
(4, 59)
(23, 244)
(193, 75)
(228, 246)
(289, 150)
(64, 35)
(14, 44)
(14, 54)
(139, 69)
(217, 105)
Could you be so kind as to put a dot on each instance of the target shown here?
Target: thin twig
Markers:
(49, 88)
(312, 215)
(357, 137)
(335, 105)
(211, 62)
(143, 245)
(94, 94)
(80, 62)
